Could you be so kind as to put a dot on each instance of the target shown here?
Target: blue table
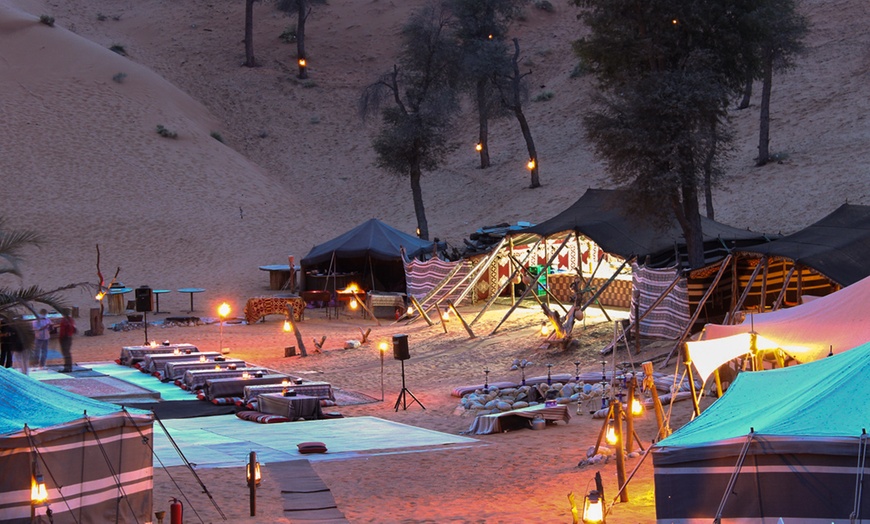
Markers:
(191, 290)
(157, 293)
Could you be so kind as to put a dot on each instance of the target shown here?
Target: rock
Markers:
(520, 404)
(502, 405)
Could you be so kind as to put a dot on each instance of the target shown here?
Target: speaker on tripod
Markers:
(401, 353)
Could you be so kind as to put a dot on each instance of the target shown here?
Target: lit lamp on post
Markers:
(223, 311)
(38, 492)
(303, 66)
(382, 348)
(252, 474)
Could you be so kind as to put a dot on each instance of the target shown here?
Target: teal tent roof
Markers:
(39, 405)
(821, 399)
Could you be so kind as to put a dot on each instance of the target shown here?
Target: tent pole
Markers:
(763, 304)
(477, 276)
(526, 291)
(511, 255)
(502, 287)
(722, 267)
(746, 290)
(733, 479)
(462, 320)
(602, 288)
(785, 283)
(546, 289)
(687, 360)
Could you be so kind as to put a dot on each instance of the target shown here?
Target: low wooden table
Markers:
(133, 354)
(517, 418)
(175, 369)
(155, 362)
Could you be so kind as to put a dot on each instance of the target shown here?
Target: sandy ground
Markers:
(517, 476)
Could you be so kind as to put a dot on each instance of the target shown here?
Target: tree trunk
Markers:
(417, 192)
(530, 145)
(688, 215)
(250, 61)
(747, 94)
(764, 124)
(483, 120)
(708, 171)
(301, 60)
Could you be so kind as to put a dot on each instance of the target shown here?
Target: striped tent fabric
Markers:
(94, 457)
(670, 318)
(423, 277)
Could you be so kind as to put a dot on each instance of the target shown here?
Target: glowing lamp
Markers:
(257, 477)
(675, 21)
(217, 367)
(153, 344)
(610, 436)
(224, 310)
(410, 311)
(302, 62)
(636, 407)
(478, 147)
(545, 329)
(446, 315)
(418, 231)
(246, 375)
(593, 508)
(288, 327)
(383, 347)
(285, 383)
(352, 303)
(38, 491)
(531, 164)
(202, 358)
(490, 37)
(99, 296)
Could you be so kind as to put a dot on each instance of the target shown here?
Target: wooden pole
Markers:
(785, 283)
(296, 332)
(688, 362)
(508, 282)
(649, 383)
(420, 310)
(629, 417)
(462, 320)
(620, 451)
(739, 304)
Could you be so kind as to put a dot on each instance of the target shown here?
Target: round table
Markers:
(157, 293)
(191, 290)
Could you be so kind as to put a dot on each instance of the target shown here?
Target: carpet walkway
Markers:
(307, 498)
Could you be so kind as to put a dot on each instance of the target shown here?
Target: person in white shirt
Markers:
(42, 332)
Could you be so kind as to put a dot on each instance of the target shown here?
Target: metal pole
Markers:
(252, 481)
(381, 351)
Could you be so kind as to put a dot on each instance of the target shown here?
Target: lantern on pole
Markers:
(593, 508)
(223, 311)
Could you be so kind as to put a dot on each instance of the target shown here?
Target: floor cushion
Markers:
(262, 418)
(311, 447)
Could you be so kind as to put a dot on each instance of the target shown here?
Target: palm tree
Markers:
(15, 300)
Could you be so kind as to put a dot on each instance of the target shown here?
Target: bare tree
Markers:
(302, 8)
(250, 61)
(512, 95)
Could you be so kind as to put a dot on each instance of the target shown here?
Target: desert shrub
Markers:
(580, 69)
(119, 77)
(543, 96)
(101, 17)
(162, 131)
(289, 35)
(544, 5)
(118, 48)
(217, 136)
(47, 20)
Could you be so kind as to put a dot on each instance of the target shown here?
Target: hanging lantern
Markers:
(202, 358)
(38, 491)
(352, 303)
(478, 147)
(593, 508)
(545, 329)
(610, 436)
(531, 164)
(99, 296)
(288, 327)
(302, 62)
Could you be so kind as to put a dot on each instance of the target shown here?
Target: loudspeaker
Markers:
(143, 299)
(400, 347)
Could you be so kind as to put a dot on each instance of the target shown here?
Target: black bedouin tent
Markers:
(601, 216)
(837, 246)
(370, 253)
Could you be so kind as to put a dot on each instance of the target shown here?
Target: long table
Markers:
(195, 378)
(319, 389)
(235, 386)
(293, 407)
(130, 355)
(517, 418)
(175, 370)
(155, 362)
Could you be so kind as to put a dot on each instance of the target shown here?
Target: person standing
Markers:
(42, 333)
(6, 342)
(65, 332)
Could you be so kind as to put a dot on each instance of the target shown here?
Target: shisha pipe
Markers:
(603, 383)
(577, 371)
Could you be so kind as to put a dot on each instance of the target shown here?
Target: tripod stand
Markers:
(403, 399)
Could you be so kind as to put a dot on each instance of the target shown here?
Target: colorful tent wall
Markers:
(838, 322)
(94, 457)
(800, 464)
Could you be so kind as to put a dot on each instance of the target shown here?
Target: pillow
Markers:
(262, 418)
(311, 447)
(225, 401)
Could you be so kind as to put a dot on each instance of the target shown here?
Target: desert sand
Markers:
(81, 164)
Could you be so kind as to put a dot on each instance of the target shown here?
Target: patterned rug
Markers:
(344, 397)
